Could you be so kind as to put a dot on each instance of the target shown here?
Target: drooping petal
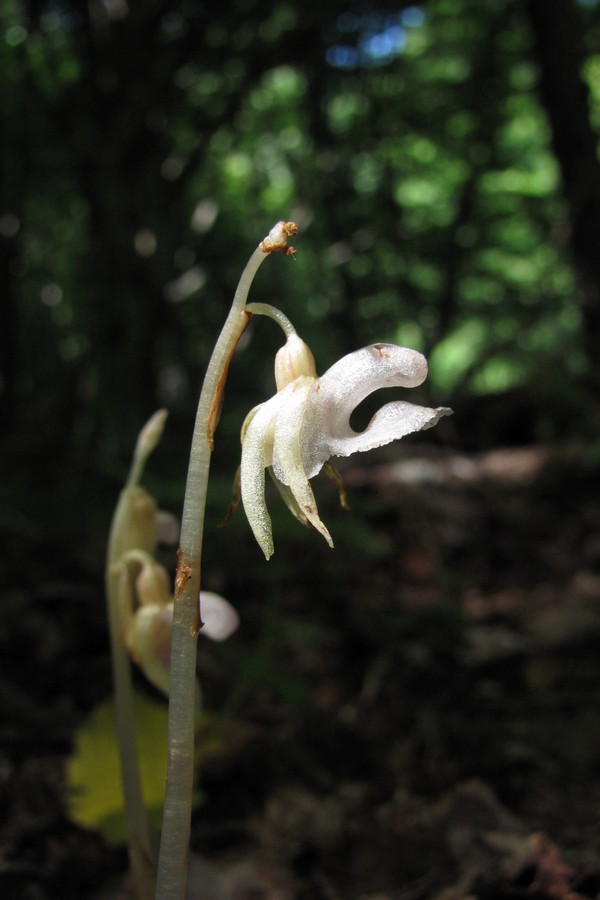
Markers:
(393, 421)
(346, 384)
(257, 451)
(288, 465)
(219, 617)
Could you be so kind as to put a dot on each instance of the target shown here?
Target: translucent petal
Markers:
(287, 457)
(358, 374)
(257, 451)
(327, 428)
(308, 421)
(219, 617)
(391, 422)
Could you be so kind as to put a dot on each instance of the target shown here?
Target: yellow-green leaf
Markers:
(95, 799)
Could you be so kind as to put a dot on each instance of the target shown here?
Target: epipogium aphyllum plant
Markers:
(292, 436)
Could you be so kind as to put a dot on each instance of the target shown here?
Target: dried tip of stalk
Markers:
(150, 435)
(276, 240)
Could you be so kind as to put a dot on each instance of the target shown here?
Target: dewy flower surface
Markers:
(308, 421)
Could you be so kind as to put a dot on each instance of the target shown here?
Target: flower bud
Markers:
(138, 524)
(293, 360)
(152, 585)
(150, 434)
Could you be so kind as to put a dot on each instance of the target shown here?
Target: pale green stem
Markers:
(173, 857)
(141, 837)
(265, 309)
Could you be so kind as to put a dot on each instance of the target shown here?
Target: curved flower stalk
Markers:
(307, 422)
(187, 617)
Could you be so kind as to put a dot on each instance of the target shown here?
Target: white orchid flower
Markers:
(306, 423)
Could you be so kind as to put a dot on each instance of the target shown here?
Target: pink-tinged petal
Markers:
(219, 617)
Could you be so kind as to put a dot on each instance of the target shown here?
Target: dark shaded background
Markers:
(388, 706)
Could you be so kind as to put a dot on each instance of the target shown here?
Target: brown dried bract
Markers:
(214, 413)
(276, 240)
(183, 574)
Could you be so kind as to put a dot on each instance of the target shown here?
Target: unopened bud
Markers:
(138, 528)
(150, 434)
(293, 360)
(152, 585)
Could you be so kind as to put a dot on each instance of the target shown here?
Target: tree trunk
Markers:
(560, 56)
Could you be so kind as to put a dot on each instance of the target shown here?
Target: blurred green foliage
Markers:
(148, 147)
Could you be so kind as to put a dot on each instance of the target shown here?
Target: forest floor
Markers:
(424, 726)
